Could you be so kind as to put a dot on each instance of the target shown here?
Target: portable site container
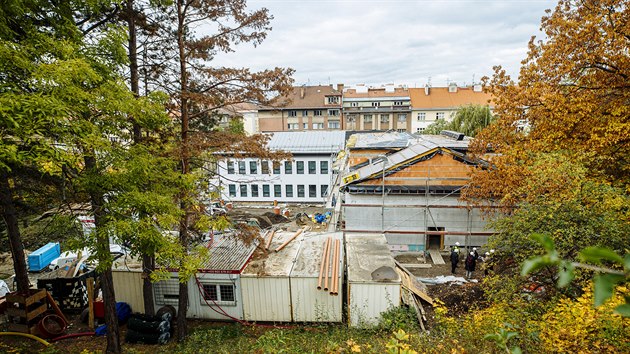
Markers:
(215, 291)
(42, 257)
(368, 297)
(128, 281)
(309, 304)
(266, 281)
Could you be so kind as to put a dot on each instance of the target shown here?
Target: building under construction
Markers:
(407, 187)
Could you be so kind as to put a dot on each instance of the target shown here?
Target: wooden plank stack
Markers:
(413, 293)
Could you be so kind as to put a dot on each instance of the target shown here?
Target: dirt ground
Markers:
(458, 299)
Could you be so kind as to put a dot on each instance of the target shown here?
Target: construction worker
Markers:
(456, 247)
(475, 252)
(470, 264)
(454, 259)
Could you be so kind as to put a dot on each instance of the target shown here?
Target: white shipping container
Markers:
(368, 297)
(308, 303)
(265, 281)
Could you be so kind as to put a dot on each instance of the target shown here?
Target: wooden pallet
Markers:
(25, 310)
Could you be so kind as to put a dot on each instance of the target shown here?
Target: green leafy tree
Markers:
(37, 76)
(616, 269)
(470, 120)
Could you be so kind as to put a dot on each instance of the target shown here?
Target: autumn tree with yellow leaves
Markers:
(562, 134)
(559, 150)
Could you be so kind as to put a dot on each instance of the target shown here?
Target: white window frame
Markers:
(219, 300)
(333, 112)
(422, 116)
(439, 115)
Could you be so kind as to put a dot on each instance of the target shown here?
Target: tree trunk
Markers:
(104, 257)
(182, 325)
(148, 265)
(134, 80)
(133, 61)
(9, 214)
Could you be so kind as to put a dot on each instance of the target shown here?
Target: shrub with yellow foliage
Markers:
(576, 326)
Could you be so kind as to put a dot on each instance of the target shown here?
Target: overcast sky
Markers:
(393, 41)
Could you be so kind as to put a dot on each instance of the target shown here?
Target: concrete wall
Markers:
(404, 214)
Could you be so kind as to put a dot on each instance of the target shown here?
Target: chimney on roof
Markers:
(302, 93)
(452, 87)
(426, 89)
(477, 88)
(340, 87)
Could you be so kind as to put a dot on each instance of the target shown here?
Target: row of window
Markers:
(422, 116)
(276, 167)
(254, 191)
(377, 104)
(367, 118)
(316, 113)
(296, 126)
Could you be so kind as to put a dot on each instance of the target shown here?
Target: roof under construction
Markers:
(419, 149)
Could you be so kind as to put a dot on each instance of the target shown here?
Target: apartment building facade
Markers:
(306, 108)
(430, 104)
(306, 178)
(386, 108)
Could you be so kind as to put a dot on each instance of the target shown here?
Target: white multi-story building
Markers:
(306, 178)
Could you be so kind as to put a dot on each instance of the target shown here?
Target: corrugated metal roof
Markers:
(445, 141)
(382, 140)
(316, 142)
(227, 253)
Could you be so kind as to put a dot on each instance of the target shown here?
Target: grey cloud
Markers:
(393, 41)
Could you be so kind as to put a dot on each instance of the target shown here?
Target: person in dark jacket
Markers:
(470, 264)
(454, 259)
